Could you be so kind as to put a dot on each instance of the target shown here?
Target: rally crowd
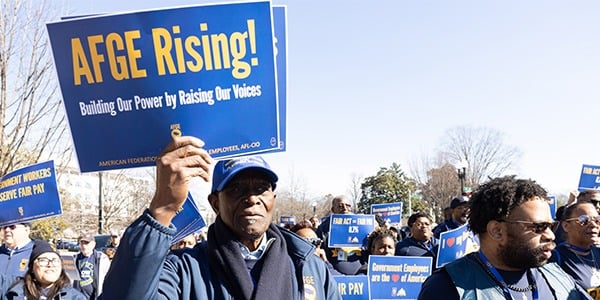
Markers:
(519, 251)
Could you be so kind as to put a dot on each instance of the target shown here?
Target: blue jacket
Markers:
(15, 264)
(443, 227)
(15, 292)
(143, 268)
(472, 282)
(411, 247)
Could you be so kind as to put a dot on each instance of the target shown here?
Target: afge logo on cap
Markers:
(242, 160)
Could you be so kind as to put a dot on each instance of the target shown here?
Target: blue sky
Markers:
(377, 82)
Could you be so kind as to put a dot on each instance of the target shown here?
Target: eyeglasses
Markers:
(537, 227)
(585, 220)
(46, 262)
(595, 202)
(315, 241)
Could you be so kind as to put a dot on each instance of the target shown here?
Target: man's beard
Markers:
(518, 254)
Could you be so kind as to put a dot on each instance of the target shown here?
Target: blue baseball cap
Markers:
(225, 170)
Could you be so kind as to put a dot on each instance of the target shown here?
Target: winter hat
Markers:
(40, 247)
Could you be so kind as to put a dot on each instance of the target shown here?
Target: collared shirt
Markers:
(12, 250)
(258, 253)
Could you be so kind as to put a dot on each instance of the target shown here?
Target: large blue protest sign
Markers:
(29, 194)
(590, 178)
(132, 81)
(397, 277)
(390, 212)
(453, 244)
(349, 230)
(552, 203)
(354, 287)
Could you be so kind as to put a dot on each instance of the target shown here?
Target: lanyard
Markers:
(494, 272)
(578, 249)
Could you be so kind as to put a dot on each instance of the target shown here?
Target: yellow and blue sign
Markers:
(389, 212)
(397, 277)
(131, 81)
(590, 178)
(349, 230)
(29, 194)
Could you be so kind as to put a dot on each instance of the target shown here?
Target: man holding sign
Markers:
(512, 218)
(245, 257)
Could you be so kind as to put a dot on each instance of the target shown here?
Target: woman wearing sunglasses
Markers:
(44, 279)
(578, 255)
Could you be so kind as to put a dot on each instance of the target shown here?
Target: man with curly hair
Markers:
(512, 218)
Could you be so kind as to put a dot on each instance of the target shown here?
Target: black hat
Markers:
(458, 201)
(40, 247)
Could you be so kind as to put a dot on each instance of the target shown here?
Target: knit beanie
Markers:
(40, 247)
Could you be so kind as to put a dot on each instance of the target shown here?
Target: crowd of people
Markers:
(246, 256)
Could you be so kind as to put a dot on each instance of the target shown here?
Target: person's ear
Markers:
(495, 230)
(213, 199)
(565, 226)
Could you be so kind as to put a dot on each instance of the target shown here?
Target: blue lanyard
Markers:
(499, 278)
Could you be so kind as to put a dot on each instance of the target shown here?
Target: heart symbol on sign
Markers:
(395, 277)
(450, 242)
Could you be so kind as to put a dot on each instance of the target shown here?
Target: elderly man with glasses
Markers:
(15, 252)
(512, 218)
(578, 255)
(346, 260)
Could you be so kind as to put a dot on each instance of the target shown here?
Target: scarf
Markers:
(275, 277)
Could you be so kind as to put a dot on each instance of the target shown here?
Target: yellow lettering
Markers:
(162, 50)
(134, 54)
(97, 58)
(118, 65)
(38, 188)
(81, 66)
(25, 191)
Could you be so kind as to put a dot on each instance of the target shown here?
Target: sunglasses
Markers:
(11, 227)
(537, 227)
(585, 220)
(315, 241)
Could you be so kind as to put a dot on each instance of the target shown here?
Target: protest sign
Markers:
(132, 81)
(289, 220)
(29, 194)
(397, 277)
(353, 287)
(453, 244)
(188, 220)
(590, 178)
(552, 203)
(390, 212)
(349, 230)
(280, 30)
